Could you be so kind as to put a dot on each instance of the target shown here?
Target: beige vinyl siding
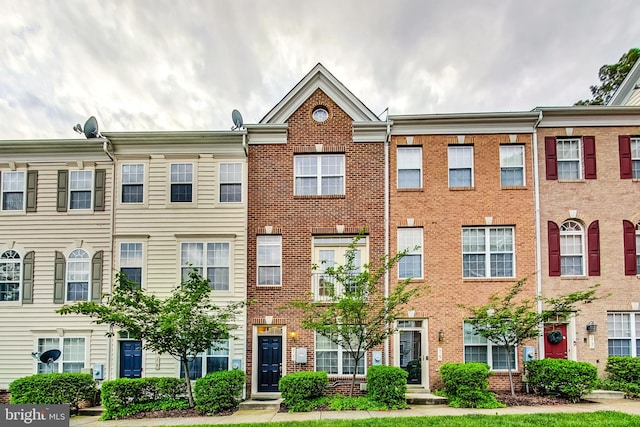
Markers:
(634, 99)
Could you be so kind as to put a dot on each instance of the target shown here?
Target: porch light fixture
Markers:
(592, 327)
(440, 335)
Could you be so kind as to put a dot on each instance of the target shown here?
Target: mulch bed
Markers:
(176, 413)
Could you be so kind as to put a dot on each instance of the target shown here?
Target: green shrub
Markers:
(387, 385)
(562, 377)
(466, 385)
(128, 396)
(219, 391)
(345, 403)
(300, 388)
(53, 389)
(624, 369)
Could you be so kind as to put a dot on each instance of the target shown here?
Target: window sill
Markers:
(514, 187)
(410, 190)
(572, 180)
(488, 279)
(345, 376)
(268, 286)
(462, 188)
(315, 196)
(574, 277)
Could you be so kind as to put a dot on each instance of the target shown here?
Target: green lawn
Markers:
(604, 418)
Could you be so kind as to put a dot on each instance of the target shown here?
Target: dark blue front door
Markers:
(130, 359)
(270, 363)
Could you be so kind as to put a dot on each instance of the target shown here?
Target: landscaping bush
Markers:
(562, 377)
(219, 391)
(623, 375)
(127, 396)
(387, 385)
(337, 402)
(299, 389)
(466, 385)
(53, 389)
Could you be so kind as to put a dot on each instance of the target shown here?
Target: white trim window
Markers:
(212, 257)
(181, 183)
(409, 167)
(410, 265)
(133, 183)
(215, 359)
(269, 260)
(461, 166)
(569, 151)
(623, 333)
(72, 359)
(635, 158)
(319, 174)
(131, 260)
(488, 252)
(78, 275)
(80, 189)
(479, 349)
(335, 360)
(230, 182)
(331, 251)
(10, 275)
(511, 165)
(13, 188)
(571, 249)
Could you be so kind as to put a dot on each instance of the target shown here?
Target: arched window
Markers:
(10, 275)
(572, 249)
(78, 275)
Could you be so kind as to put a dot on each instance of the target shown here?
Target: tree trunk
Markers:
(513, 392)
(187, 376)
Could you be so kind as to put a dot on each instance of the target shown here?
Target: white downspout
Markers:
(105, 148)
(387, 141)
(536, 193)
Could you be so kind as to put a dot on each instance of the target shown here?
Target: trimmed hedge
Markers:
(53, 389)
(299, 390)
(387, 385)
(623, 374)
(466, 385)
(562, 377)
(219, 391)
(127, 396)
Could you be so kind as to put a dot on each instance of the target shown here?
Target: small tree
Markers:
(508, 321)
(357, 316)
(611, 76)
(186, 323)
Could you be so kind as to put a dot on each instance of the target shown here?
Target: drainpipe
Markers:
(387, 141)
(105, 148)
(536, 192)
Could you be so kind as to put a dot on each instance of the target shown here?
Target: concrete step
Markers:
(604, 394)
(261, 404)
(424, 398)
(91, 411)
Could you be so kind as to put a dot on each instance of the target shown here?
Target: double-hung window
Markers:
(319, 174)
(133, 183)
(334, 359)
(409, 167)
(332, 251)
(569, 159)
(571, 249)
(635, 158)
(410, 265)
(13, 190)
(181, 182)
(212, 257)
(215, 359)
(461, 166)
(511, 165)
(78, 275)
(623, 332)
(72, 358)
(269, 260)
(230, 182)
(131, 261)
(80, 189)
(479, 349)
(488, 252)
(10, 275)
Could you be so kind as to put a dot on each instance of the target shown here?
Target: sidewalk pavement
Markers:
(264, 416)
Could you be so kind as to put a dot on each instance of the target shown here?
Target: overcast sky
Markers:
(185, 65)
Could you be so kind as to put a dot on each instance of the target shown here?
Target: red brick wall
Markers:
(5, 396)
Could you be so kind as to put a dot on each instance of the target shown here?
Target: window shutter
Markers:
(554, 248)
(589, 147)
(626, 165)
(99, 187)
(32, 190)
(630, 268)
(27, 278)
(593, 243)
(551, 157)
(96, 277)
(63, 183)
(58, 278)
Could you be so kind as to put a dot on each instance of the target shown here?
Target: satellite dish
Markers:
(91, 128)
(78, 128)
(237, 119)
(50, 356)
(35, 355)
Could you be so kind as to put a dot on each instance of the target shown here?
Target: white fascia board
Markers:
(50, 150)
(589, 116)
(217, 143)
(369, 131)
(267, 134)
(466, 123)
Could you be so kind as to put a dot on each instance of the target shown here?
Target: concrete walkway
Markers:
(265, 416)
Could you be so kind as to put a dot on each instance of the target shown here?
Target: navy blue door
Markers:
(130, 359)
(270, 362)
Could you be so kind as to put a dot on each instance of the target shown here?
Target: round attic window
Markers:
(320, 114)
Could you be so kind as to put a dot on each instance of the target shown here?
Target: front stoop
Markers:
(604, 394)
(262, 401)
(91, 411)
(421, 396)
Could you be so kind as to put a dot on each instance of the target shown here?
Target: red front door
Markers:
(554, 346)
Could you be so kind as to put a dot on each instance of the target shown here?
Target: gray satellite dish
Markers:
(91, 128)
(50, 356)
(237, 119)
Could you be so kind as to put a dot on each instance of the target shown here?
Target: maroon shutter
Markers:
(589, 147)
(630, 268)
(626, 165)
(554, 248)
(551, 157)
(593, 245)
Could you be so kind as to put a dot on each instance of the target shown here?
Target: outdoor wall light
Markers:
(592, 327)
(440, 335)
